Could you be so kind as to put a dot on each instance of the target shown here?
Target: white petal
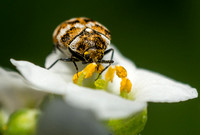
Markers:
(51, 58)
(61, 67)
(104, 105)
(114, 87)
(153, 87)
(41, 78)
(120, 59)
(15, 93)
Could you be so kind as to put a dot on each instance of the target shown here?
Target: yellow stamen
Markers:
(100, 69)
(126, 85)
(110, 74)
(76, 76)
(121, 71)
(89, 70)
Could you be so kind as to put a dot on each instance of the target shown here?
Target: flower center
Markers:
(92, 70)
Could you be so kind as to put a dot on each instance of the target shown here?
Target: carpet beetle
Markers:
(82, 39)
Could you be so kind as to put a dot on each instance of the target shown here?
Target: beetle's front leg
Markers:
(105, 61)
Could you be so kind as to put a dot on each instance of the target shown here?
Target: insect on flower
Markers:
(83, 39)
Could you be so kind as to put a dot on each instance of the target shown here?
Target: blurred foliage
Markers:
(59, 118)
(158, 35)
(22, 122)
(132, 125)
(3, 118)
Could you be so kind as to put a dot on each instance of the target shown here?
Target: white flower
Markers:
(147, 86)
(15, 93)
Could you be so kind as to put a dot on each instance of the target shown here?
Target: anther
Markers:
(126, 85)
(110, 74)
(89, 70)
(121, 71)
(100, 68)
(76, 76)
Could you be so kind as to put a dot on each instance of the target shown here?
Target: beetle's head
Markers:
(93, 55)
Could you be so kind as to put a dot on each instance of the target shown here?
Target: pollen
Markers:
(110, 74)
(100, 68)
(126, 85)
(121, 71)
(86, 53)
(76, 77)
(89, 70)
(99, 83)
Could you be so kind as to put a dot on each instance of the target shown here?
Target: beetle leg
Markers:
(74, 61)
(57, 47)
(65, 60)
(109, 50)
(84, 62)
(105, 61)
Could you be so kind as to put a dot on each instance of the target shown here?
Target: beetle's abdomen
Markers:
(65, 33)
(89, 39)
(69, 30)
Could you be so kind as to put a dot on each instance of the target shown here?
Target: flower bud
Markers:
(22, 122)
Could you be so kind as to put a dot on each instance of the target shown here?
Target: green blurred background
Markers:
(159, 35)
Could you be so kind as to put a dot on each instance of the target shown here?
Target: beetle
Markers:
(82, 39)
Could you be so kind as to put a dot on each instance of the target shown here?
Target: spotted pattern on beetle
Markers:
(82, 33)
